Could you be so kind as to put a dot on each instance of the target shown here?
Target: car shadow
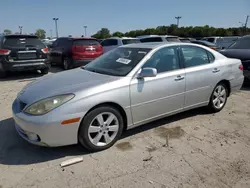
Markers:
(16, 151)
(27, 75)
(246, 86)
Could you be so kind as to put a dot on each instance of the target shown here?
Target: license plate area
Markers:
(23, 55)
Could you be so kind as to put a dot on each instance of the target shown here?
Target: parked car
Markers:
(114, 42)
(221, 42)
(205, 43)
(124, 88)
(159, 38)
(74, 52)
(184, 39)
(22, 52)
(240, 50)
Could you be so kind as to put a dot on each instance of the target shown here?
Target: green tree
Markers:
(102, 34)
(7, 32)
(117, 34)
(40, 33)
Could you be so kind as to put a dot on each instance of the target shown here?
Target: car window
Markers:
(165, 59)
(22, 42)
(109, 42)
(55, 43)
(117, 62)
(194, 56)
(172, 39)
(152, 39)
(210, 39)
(211, 57)
(130, 41)
(85, 42)
(242, 43)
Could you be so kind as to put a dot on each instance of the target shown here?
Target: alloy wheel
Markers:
(103, 129)
(219, 96)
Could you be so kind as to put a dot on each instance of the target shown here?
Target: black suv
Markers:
(22, 52)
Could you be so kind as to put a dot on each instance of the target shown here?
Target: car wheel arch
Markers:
(227, 84)
(109, 104)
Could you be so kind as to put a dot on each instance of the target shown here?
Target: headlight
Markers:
(46, 105)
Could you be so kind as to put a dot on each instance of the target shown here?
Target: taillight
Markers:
(4, 52)
(241, 67)
(45, 50)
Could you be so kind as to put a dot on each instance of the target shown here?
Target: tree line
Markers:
(192, 32)
(41, 33)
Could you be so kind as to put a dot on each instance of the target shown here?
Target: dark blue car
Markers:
(240, 50)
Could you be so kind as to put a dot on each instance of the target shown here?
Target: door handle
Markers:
(216, 70)
(179, 78)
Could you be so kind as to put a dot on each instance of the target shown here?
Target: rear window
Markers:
(210, 39)
(243, 43)
(151, 39)
(184, 40)
(85, 42)
(130, 41)
(22, 42)
(172, 39)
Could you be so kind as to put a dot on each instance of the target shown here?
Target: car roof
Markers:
(153, 36)
(153, 45)
(20, 35)
(120, 38)
(77, 38)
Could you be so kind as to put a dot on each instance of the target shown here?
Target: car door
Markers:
(202, 74)
(158, 96)
(109, 44)
(55, 51)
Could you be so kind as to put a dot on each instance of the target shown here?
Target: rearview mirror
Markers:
(147, 72)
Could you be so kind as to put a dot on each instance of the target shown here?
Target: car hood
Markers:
(242, 54)
(62, 83)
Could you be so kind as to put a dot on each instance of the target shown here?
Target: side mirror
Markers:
(147, 72)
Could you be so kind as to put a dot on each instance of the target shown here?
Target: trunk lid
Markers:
(86, 49)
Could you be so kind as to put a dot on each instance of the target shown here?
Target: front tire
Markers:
(66, 65)
(218, 98)
(101, 128)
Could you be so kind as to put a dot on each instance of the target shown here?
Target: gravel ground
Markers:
(205, 150)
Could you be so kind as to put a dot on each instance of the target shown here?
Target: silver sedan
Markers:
(124, 88)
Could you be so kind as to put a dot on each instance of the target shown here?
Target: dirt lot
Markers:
(205, 150)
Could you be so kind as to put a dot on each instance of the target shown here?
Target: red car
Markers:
(74, 52)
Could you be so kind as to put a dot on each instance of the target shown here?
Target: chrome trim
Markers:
(28, 64)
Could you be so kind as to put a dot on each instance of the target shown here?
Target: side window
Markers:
(211, 57)
(109, 42)
(194, 56)
(56, 43)
(151, 39)
(163, 60)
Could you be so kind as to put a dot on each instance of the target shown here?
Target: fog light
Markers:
(32, 136)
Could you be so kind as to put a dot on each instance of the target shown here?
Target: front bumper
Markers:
(25, 65)
(45, 130)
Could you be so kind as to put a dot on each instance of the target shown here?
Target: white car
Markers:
(114, 42)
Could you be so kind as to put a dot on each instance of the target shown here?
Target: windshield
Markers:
(242, 43)
(118, 62)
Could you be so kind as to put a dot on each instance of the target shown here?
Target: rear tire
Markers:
(218, 98)
(100, 129)
(45, 71)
